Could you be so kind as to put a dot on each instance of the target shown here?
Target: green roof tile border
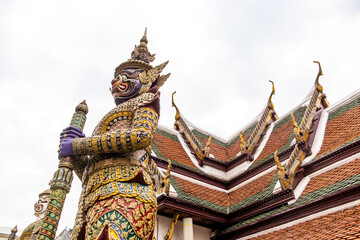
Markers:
(298, 114)
(343, 109)
(168, 135)
(332, 200)
(158, 153)
(337, 148)
(192, 199)
(256, 197)
(318, 194)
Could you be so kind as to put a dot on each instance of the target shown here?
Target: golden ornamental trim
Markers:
(302, 132)
(183, 128)
(249, 146)
(287, 174)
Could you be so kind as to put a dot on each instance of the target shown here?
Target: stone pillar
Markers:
(188, 231)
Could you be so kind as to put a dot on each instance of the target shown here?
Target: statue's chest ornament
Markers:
(121, 116)
(117, 121)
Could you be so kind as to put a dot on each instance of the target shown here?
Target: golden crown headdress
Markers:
(140, 59)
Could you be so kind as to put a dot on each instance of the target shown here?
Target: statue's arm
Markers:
(139, 136)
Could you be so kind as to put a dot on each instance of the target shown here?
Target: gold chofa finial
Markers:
(320, 73)
(177, 115)
(271, 105)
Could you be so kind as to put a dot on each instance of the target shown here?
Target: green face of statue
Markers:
(126, 85)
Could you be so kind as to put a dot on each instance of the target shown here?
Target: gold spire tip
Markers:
(144, 38)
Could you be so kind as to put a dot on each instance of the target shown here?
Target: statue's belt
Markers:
(124, 189)
(115, 169)
(116, 161)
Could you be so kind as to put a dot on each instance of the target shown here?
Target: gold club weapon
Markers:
(61, 182)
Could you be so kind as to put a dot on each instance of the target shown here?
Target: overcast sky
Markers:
(54, 54)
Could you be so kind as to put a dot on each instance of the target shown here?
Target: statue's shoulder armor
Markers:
(121, 112)
(30, 230)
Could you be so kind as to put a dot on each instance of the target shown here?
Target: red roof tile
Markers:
(218, 151)
(341, 130)
(172, 150)
(343, 224)
(277, 140)
(202, 192)
(224, 153)
(333, 176)
(251, 188)
(234, 148)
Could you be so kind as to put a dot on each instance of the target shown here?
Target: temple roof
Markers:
(235, 185)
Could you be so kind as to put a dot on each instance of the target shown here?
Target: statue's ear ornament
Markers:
(154, 74)
(160, 78)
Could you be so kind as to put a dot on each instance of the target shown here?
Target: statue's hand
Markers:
(66, 139)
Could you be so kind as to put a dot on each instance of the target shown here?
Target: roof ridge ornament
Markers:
(320, 73)
(269, 115)
(177, 115)
(301, 133)
(270, 104)
(182, 127)
(297, 131)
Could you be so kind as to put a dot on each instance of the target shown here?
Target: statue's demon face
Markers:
(126, 85)
(41, 205)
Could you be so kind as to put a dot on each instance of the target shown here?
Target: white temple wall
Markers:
(164, 224)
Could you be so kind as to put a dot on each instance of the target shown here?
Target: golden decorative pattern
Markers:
(119, 173)
(287, 174)
(183, 128)
(249, 146)
(139, 136)
(123, 189)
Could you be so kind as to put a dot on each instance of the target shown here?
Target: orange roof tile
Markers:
(172, 150)
(217, 150)
(225, 152)
(277, 140)
(251, 188)
(333, 176)
(202, 192)
(343, 224)
(341, 130)
(234, 148)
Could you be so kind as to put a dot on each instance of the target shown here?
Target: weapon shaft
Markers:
(61, 183)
